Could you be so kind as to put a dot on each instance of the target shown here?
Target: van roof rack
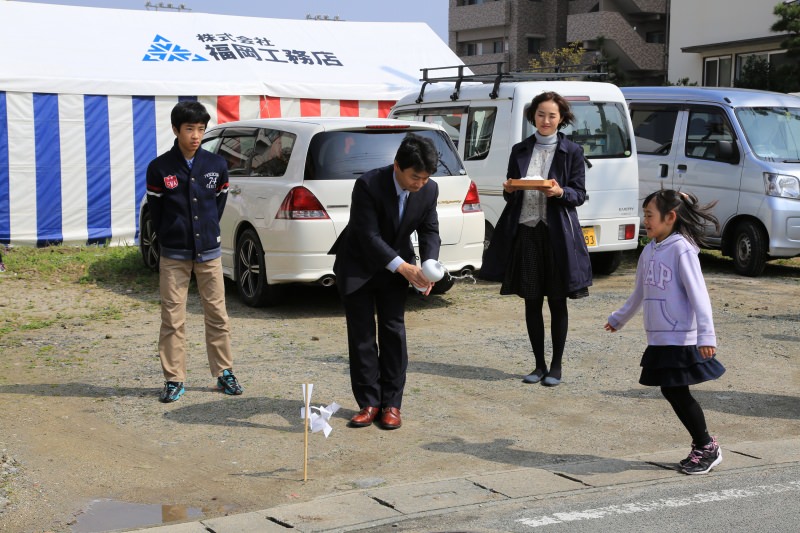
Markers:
(584, 70)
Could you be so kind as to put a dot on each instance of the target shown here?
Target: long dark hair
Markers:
(690, 217)
(564, 109)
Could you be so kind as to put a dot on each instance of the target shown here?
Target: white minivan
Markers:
(486, 120)
(738, 147)
(291, 182)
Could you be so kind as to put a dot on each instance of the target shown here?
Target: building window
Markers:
(498, 47)
(774, 59)
(717, 72)
(534, 45)
(471, 49)
(658, 37)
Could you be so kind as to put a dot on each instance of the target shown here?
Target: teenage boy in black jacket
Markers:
(186, 192)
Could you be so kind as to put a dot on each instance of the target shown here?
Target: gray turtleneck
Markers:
(534, 203)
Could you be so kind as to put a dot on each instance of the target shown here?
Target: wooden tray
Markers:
(533, 184)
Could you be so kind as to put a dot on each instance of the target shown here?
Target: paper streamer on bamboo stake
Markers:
(318, 421)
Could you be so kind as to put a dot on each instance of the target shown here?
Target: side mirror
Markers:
(727, 152)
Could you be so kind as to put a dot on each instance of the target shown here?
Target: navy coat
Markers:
(566, 236)
(374, 235)
(186, 205)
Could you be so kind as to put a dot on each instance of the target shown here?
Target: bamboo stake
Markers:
(307, 403)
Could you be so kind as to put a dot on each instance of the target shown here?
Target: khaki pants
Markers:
(174, 276)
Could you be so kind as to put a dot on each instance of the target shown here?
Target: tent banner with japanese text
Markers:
(86, 95)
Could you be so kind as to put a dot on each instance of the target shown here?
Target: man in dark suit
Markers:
(374, 264)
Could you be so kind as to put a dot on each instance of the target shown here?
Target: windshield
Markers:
(772, 132)
(341, 155)
(600, 127)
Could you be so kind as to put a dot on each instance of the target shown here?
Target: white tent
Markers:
(85, 97)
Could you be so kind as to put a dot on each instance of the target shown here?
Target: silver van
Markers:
(738, 147)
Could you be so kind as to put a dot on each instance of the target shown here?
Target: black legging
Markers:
(559, 323)
(689, 412)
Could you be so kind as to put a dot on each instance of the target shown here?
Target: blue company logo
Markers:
(162, 49)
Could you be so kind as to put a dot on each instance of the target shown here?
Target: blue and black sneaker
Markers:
(172, 391)
(227, 382)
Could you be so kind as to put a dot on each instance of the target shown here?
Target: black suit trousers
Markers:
(378, 363)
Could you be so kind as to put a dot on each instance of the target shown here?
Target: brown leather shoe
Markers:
(364, 418)
(390, 419)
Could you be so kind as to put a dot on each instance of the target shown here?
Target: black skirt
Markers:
(677, 366)
(532, 271)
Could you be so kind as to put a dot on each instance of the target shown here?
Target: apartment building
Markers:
(515, 31)
(652, 41)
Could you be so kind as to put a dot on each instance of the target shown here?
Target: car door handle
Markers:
(235, 190)
(664, 170)
(681, 168)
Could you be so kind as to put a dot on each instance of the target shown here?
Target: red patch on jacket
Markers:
(171, 181)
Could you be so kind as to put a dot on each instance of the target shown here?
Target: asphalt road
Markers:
(747, 500)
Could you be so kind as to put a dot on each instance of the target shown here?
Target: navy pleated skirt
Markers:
(532, 271)
(677, 366)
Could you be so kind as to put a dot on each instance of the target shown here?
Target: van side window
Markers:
(653, 130)
(480, 127)
(601, 128)
(706, 128)
(448, 118)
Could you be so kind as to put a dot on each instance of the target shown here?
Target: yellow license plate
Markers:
(589, 237)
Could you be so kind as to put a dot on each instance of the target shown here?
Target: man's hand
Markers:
(414, 275)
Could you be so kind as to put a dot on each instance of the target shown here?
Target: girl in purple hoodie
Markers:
(681, 343)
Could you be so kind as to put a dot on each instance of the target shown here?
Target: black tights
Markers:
(689, 412)
(559, 322)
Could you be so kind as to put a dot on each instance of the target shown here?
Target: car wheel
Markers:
(443, 285)
(148, 243)
(750, 249)
(605, 263)
(251, 273)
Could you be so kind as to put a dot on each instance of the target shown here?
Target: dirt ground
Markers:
(80, 419)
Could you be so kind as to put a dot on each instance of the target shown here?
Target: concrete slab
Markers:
(330, 513)
(612, 471)
(186, 527)
(423, 497)
(524, 483)
(255, 522)
(774, 451)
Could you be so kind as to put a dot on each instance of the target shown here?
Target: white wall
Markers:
(701, 22)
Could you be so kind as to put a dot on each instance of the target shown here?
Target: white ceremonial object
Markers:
(433, 270)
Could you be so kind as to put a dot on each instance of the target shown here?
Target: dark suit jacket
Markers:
(374, 235)
(566, 236)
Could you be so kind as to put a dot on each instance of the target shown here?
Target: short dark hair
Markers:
(564, 109)
(189, 112)
(417, 152)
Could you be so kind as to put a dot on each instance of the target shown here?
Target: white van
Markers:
(486, 120)
(738, 147)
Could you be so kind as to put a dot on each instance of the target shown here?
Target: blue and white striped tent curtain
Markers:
(66, 163)
(72, 167)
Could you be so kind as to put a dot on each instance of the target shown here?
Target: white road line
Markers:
(644, 507)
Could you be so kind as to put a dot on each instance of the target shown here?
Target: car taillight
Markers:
(626, 232)
(472, 203)
(301, 204)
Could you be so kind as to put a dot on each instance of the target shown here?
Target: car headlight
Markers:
(782, 185)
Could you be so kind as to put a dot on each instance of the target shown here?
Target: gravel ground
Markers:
(81, 421)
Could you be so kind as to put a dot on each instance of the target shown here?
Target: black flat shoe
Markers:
(580, 293)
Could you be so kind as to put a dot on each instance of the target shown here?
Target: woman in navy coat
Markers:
(538, 249)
